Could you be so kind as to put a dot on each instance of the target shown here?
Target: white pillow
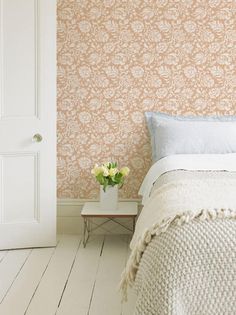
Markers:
(177, 135)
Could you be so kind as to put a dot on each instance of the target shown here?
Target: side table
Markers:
(93, 210)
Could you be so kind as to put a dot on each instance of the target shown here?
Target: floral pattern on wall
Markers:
(120, 58)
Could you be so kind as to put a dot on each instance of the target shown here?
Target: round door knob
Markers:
(37, 138)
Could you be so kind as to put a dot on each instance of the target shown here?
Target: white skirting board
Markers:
(69, 220)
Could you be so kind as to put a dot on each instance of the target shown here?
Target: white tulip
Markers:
(113, 171)
(105, 171)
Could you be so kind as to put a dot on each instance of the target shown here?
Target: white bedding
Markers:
(188, 189)
(190, 162)
(180, 197)
(193, 162)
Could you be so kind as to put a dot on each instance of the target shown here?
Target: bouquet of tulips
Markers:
(108, 174)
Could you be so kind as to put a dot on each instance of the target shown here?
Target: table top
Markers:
(125, 209)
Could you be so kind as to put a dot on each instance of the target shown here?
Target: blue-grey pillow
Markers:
(190, 135)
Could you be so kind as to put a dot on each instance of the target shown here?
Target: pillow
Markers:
(191, 135)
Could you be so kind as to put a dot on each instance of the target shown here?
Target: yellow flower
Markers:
(113, 171)
(125, 171)
(97, 170)
(105, 170)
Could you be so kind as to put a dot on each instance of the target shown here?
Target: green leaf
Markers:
(113, 165)
(100, 178)
(105, 184)
(118, 176)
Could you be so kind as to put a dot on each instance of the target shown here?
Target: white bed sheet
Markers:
(200, 162)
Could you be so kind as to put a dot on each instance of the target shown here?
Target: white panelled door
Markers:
(27, 123)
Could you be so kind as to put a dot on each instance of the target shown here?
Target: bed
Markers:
(183, 259)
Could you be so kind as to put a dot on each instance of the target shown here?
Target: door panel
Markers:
(27, 107)
(19, 57)
(20, 194)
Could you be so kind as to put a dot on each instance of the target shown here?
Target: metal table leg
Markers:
(86, 232)
(88, 229)
(133, 224)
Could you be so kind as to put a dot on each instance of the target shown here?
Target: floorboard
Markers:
(3, 253)
(26, 283)
(78, 293)
(9, 269)
(106, 298)
(48, 294)
(67, 279)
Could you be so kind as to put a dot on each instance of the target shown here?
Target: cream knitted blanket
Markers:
(189, 270)
(179, 197)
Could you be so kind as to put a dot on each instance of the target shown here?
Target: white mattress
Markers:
(214, 162)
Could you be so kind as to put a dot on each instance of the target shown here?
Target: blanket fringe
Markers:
(130, 271)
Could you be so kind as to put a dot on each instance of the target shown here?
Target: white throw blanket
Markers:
(179, 197)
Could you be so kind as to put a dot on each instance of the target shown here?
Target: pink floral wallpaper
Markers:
(119, 58)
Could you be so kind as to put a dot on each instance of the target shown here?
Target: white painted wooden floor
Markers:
(66, 280)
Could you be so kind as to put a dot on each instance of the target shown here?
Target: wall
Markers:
(117, 59)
